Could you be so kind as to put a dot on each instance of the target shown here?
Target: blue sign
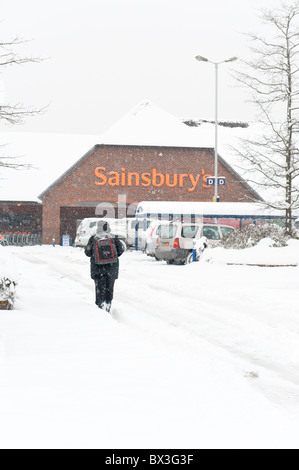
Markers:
(211, 181)
(66, 240)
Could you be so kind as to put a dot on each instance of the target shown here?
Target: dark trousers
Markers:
(104, 285)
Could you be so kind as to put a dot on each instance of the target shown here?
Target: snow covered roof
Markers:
(206, 208)
(146, 125)
(49, 154)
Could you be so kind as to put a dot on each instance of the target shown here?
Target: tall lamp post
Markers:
(204, 59)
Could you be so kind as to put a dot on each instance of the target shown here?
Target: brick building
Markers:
(25, 216)
(147, 155)
(136, 173)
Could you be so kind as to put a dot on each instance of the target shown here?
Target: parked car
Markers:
(123, 228)
(176, 240)
(152, 235)
(143, 227)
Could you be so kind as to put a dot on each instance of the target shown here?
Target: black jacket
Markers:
(97, 270)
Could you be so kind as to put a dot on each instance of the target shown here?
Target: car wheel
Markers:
(123, 244)
(189, 258)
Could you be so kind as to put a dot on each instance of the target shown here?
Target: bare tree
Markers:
(272, 77)
(16, 113)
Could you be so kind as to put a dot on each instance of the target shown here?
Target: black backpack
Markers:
(104, 251)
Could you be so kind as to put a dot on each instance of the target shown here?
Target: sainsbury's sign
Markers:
(154, 178)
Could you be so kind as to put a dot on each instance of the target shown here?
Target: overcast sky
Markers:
(104, 56)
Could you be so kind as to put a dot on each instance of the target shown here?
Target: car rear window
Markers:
(211, 233)
(144, 224)
(189, 231)
(168, 231)
(226, 230)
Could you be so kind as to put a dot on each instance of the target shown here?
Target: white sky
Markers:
(105, 56)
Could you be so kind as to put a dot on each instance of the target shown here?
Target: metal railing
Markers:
(20, 239)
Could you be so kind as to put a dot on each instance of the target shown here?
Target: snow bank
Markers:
(8, 277)
(7, 264)
(197, 356)
(264, 253)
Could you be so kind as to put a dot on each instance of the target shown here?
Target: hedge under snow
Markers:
(251, 235)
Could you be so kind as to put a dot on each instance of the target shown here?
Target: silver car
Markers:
(178, 239)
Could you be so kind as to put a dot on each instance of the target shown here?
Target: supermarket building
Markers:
(147, 155)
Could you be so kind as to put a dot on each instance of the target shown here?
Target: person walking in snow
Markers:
(104, 249)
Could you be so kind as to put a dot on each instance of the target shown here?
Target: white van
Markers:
(123, 228)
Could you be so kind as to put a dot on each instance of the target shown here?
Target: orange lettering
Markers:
(101, 176)
(167, 180)
(123, 177)
(155, 176)
(182, 180)
(146, 177)
(193, 182)
(130, 179)
(114, 178)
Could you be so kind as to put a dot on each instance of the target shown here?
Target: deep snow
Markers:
(197, 356)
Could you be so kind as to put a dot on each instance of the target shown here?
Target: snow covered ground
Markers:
(197, 356)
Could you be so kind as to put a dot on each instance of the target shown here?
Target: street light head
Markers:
(201, 59)
(232, 59)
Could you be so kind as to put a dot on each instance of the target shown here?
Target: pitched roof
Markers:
(49, 154)
(52, 155)
(148, 125)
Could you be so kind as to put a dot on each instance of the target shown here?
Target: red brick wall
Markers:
(78, 184)
(21, 217)
(69, 216)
